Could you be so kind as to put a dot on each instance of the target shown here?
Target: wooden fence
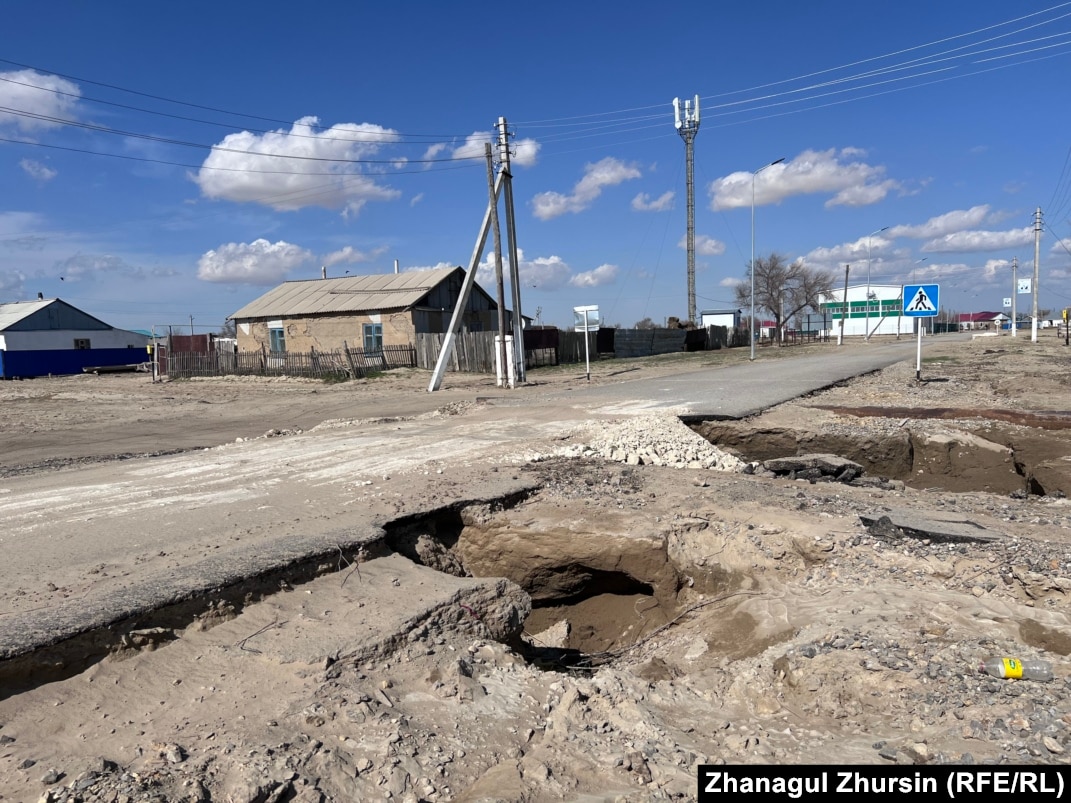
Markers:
(474, 351)
(348, 363)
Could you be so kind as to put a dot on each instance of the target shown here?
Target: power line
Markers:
(392, 138)
(160, 97)
(219, 148)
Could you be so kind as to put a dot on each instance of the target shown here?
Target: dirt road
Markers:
(690, 615)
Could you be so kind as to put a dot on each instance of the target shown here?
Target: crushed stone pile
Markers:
(649, 440)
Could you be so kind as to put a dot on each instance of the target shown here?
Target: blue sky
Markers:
(165, 162)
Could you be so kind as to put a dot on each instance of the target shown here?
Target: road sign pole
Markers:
(918, 357)
(587, 357)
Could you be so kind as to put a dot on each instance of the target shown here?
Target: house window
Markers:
(373, 337)
(277, 339)
(81, 343)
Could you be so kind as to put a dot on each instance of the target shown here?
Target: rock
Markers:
(815, 466)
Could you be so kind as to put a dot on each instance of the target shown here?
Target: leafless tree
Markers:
(784, 289)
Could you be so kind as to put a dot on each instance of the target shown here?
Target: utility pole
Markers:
(511, 244)
(1015, 292)
(687, 125)
(499, 282)
(1037, 258)
(844, 308)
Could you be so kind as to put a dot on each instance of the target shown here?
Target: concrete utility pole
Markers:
(1015, 292)
(511, 245)
(687, 125)
(844, 308)
(447, 349)
(499, 283)
(1037, 258)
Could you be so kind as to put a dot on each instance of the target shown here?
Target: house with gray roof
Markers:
(369, 312)
(50, 337)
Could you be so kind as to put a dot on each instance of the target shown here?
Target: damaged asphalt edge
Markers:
(47, 645)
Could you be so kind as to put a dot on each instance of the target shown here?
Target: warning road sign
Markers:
(921, 300)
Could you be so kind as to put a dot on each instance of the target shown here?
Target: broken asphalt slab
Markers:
(950, 527)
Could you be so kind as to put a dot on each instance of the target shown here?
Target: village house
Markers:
(51, 337)
(369, 312)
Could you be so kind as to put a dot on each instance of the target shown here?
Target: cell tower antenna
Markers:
(686, 121)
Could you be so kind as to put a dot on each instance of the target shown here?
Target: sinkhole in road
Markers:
(594, 596)
(995, 451)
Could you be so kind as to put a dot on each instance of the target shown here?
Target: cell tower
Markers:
(686, 121)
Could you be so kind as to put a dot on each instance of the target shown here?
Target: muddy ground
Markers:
(602, 629)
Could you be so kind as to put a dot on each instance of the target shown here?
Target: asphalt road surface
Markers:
(90, 546)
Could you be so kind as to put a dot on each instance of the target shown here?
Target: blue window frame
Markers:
(277, 339)
(373, 337)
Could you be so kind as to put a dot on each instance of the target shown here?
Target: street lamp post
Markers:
(751, 332)
(867, 326)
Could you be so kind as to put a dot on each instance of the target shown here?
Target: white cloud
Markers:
(604, 274)
(11, 285)
(704, 245)
(643, 202)
(258, 262)
(947, 223)
(312, 167)
(434, 151)
(37, 170)
(93, 266)
(607, 172)
(973, 241)
(36, 94)
(851, 181)
(416, 199)
(546, 273)
(350, 256)
(473, 146)
(996, 270)
(523, 152)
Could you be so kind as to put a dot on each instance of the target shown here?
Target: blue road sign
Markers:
(921, 300)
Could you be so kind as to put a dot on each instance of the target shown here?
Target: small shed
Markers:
(51, 337)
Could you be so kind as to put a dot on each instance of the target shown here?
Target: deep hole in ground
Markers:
(592, 595)
(996, 451)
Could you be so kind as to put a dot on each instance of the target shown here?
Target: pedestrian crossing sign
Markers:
(921, 300)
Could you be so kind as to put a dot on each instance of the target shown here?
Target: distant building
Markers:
(367, 312)
(50, 337)
(874, 309)
(720, 317)
(982, 320)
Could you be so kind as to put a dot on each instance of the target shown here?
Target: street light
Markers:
(867, 327)
(751, 332)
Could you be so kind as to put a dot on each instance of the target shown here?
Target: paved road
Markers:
(739, 391)
(97, 545)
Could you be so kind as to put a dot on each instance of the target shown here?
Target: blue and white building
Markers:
(50, 337)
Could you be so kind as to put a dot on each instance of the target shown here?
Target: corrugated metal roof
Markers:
(14, 311)
(380, 291)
